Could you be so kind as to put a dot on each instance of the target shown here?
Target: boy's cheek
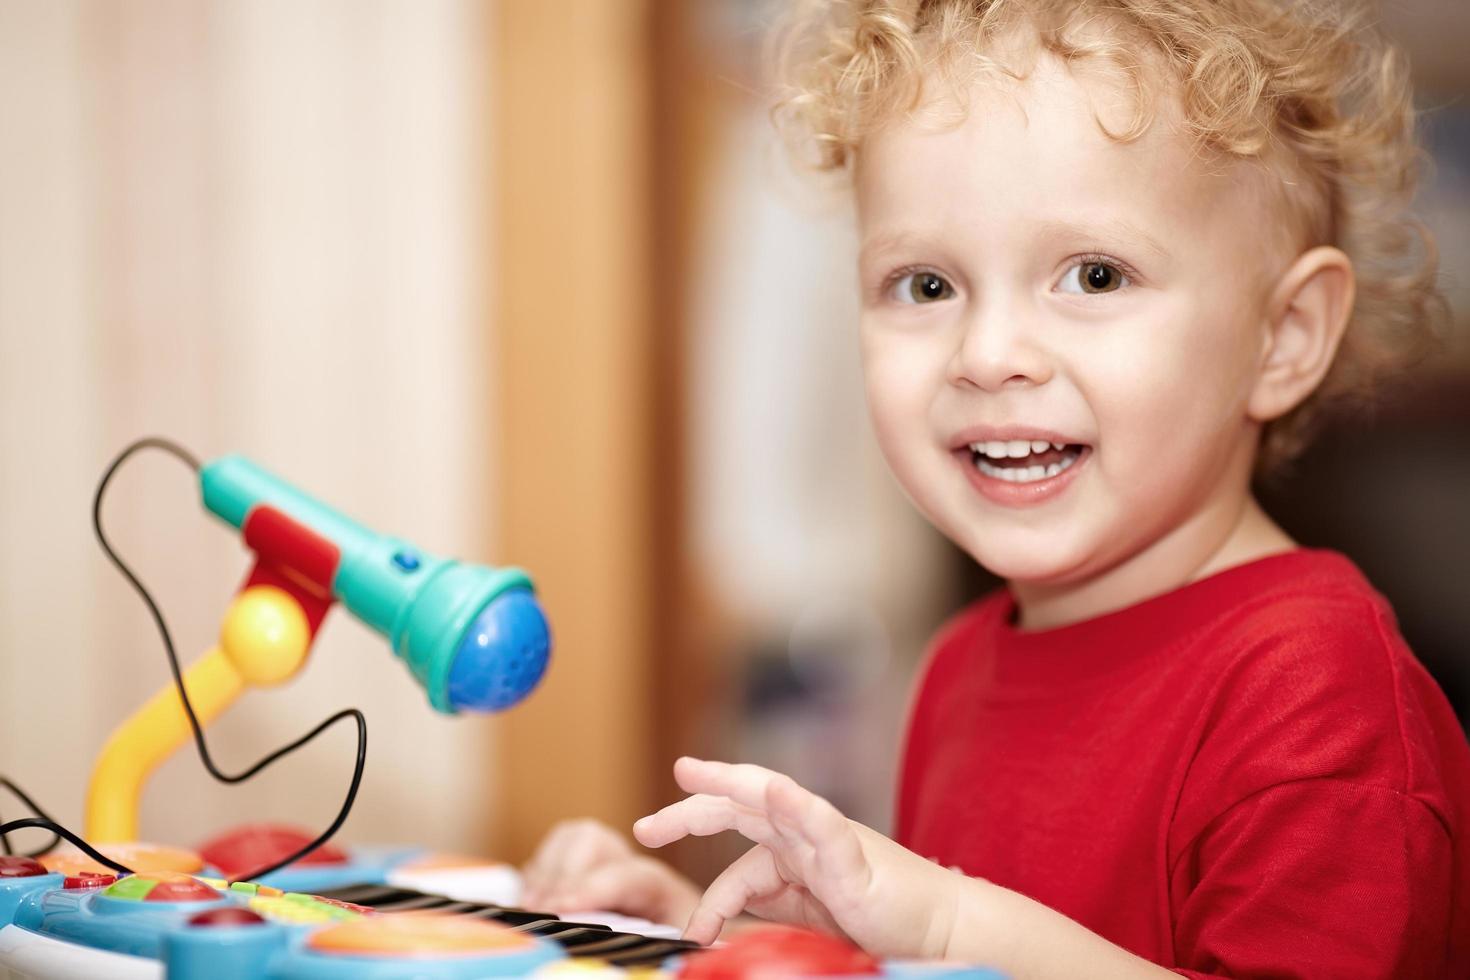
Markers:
(897, 393)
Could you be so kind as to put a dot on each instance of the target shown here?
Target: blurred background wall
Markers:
(528, 283)
(257, 228)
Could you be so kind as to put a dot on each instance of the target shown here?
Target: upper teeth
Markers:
(1015, 448)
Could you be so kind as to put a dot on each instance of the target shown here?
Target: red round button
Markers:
(229, 915)
(257, 845)
(88, 879)
(777, 951)
(180, 888)
(15, 866)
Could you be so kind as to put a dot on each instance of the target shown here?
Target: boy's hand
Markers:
(811, 866)
(584, 864)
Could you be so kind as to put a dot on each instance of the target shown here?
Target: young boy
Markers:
(1110, 258)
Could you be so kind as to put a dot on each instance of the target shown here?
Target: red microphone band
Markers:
(294, 559)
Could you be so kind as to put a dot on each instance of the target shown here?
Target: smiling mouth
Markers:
(1024, 461)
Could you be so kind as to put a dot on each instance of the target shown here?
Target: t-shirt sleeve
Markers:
(1312, 837)
(1316, 878)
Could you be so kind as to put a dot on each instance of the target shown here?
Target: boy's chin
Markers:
(1039, 564)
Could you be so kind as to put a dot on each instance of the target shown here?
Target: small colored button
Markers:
(294, 907)
(250, 888)
(407, 560)
(347, 906)
(229, 915)
(83, 880)
(15, 866)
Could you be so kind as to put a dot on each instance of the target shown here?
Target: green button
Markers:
(132, 888)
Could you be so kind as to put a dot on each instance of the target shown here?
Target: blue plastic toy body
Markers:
(274, 949)
(258, 932)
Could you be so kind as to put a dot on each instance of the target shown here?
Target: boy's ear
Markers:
(1306, 316)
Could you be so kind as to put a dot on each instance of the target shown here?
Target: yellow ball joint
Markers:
(264, 640)
(265, 635)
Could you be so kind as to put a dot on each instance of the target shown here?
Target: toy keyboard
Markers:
(69, 921)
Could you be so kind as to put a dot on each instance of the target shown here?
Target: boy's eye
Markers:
(1093, 276)
(922, 287)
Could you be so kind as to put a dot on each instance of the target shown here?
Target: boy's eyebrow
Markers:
(883, 242)
(1110, 230)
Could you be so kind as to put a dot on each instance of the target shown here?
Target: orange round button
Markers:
(134, 854)
(417, 934)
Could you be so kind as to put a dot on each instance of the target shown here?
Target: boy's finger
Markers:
(582, 854)
(805, 817)
(753, 876)
(791, 906)
(743, 783)
(701, 816)
(536, 871)
(786, 905)
(836, 850)
(628, 887)
(611, 888)
(570, 851)
(535, 868)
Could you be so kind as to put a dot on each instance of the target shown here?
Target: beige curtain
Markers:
(259, 228)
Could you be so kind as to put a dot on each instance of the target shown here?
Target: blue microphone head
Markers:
(502, 653)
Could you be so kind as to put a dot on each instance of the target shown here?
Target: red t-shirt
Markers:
(1248, 776)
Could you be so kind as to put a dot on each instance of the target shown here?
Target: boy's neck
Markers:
(1230, 533)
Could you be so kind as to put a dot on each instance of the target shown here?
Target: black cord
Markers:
(59, 831)
(35, 808)
(173, 664)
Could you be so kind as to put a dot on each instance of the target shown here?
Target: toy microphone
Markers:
(474, 637)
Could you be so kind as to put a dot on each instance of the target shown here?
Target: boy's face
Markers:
(1028, 282)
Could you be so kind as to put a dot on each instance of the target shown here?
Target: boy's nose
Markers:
(996, 349)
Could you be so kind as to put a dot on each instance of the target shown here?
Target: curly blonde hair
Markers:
(1308, 89)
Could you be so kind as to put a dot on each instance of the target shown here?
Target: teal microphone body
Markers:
(474, 637)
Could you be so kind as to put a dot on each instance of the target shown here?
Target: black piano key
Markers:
(618, 942)
(370, 895)
(459, 908)
(388, 898)
(557, 927)
(382, 898)
(534, 926)
(580, 939)
(650, 955)
(581, 936)
(509, 917)
(422, 903)
(589, 925)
